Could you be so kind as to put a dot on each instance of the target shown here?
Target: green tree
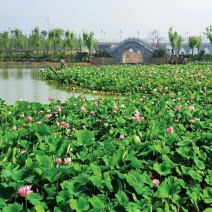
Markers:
(88, 39)
(80, 43)
(55, 35)
(69, 40)
(36, 39)
(5, 40)
(19, 39)
(192, 42)
(179, 43)
(198, 43)
(208, 33)
(48, 44)
(172, 38)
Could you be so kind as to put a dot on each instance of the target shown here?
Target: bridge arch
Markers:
(138, 46)
(206, 50)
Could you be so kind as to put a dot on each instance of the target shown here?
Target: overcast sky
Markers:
(109, 16)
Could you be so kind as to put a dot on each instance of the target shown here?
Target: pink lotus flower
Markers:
(58, 109)
(92, 113)
(28, 118)
(171, 95)
(192, 121)
(73, 129)
(115, 108)
(178, 108)
(58, 160)
(82, 109)
(64, 124)
(14, 128)
(50, 98)
(82, 97)
(138, 118)
(67, 160)
(191, 108)
(136, 113)
(48, 116)
(96, 104)
(156, 182)
(38, 122)
(151, 176)
(170, 130)
(26, 190)
(121, 137)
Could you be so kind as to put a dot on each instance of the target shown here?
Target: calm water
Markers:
(24, 83)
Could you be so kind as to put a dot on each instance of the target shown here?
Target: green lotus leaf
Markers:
(12, 207)
(163, 168)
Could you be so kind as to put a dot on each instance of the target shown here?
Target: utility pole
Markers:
(48, 24)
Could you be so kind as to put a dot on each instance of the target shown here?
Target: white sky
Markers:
(111, 16)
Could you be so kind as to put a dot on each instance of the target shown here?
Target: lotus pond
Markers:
(149, 151)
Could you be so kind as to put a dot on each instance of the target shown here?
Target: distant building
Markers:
(185, 49)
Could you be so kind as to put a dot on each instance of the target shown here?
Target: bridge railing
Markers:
(132, 39)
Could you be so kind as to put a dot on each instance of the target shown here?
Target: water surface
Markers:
(25, 83)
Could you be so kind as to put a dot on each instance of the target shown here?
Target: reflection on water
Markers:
(24, 83)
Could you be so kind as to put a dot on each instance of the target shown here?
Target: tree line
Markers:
(41, 40)
(177, 40)
(60, 40)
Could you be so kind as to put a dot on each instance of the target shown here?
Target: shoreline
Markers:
(11, 64)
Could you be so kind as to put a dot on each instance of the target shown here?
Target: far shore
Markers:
(11, 64)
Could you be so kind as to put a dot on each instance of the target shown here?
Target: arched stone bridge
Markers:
(119, 51)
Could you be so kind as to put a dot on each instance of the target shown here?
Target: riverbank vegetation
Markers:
(148, 151)
(43, 45)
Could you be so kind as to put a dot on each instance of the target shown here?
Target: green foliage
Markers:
(159, 53)
(173, 37)
(19, 39)
(35, 39)
(208, 33)
(179, 42)
(108, 172)
(69, 40)
(55, 37)
(88, 39)
(102, 53)
(194, 42)
(5, 40)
